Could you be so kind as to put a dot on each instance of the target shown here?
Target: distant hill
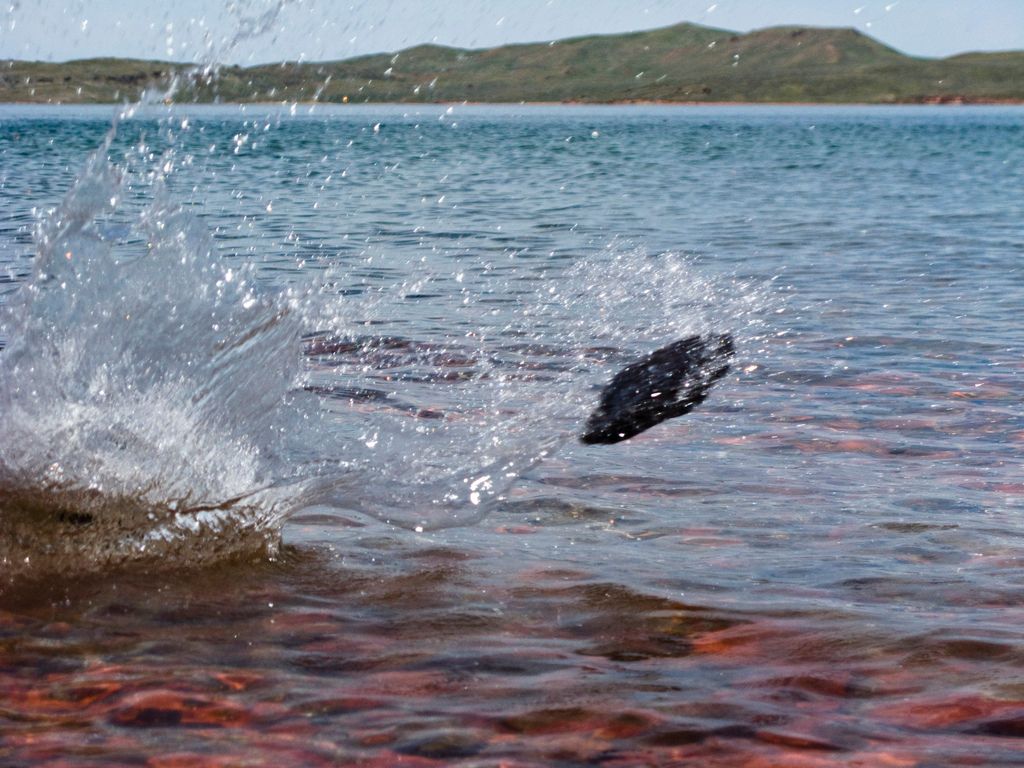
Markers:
(682, 63)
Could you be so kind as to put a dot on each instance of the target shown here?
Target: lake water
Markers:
(823, 565)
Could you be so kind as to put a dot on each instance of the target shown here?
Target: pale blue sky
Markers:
(331, 29)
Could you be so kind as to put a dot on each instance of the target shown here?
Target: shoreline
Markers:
(682, 64)
(937, 102)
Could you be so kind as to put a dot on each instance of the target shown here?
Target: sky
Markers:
(314, 30)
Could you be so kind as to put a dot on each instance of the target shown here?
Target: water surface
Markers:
(822, 566)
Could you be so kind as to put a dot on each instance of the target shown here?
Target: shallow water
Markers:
(821, 566)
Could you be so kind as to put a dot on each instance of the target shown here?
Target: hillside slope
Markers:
(682, 63)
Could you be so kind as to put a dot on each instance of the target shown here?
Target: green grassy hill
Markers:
(682, 63)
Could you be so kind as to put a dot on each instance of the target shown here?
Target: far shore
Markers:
(680, 65)
(943, 102)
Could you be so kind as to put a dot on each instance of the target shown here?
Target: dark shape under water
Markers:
(667, 383)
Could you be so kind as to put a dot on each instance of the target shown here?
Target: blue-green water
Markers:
(823, 563)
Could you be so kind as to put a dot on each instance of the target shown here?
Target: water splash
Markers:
(141, 388)
(162, 399)
(498, 374)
